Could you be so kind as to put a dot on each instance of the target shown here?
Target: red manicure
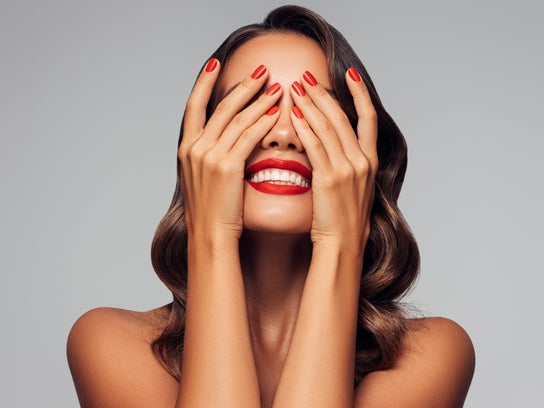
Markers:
(272, 110)
(259, 72)
(354, 74)
(299, 90)
(309, 78)
(210, 66)
(273, 89)
(297, 112)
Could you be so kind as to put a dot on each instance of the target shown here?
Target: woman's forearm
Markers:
(319, 368)
(218, 368)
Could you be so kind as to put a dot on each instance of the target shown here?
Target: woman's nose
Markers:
(283, 136)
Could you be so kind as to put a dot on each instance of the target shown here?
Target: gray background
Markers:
(91, 99)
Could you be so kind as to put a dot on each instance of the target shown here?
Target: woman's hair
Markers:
(391, 259)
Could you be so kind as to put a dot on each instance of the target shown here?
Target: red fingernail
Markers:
(273, 89)
(299, 90)
(272, 110)
(354, 74)
(210, 66)
(259, 72)
(309, 78)
(297, 112)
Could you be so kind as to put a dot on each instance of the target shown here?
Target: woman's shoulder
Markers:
(114, 322)
(434, 368)
(110, 349)
(432, 333)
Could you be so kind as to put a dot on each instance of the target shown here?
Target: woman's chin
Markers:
(277, 213)
(277, 220)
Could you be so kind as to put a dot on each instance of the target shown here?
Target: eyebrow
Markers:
(263, 90)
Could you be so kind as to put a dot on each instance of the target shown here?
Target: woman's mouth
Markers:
(275, 176)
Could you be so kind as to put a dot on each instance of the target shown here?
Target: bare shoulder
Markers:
(110, 357)
(434, 369)
(113, 322)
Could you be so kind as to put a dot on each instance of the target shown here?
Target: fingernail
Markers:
(272, 110)
(259, 72)
(354, 74)
(210, 66)
(297, 112)
(299, 90)
(309, 78)
(273, 89)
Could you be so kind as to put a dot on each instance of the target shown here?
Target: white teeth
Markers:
(277, 176)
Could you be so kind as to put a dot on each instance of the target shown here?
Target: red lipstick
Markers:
(276, 176)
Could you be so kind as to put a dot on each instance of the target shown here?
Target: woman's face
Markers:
(268, 207)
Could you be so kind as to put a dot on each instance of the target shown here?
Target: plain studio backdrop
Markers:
(92, 95)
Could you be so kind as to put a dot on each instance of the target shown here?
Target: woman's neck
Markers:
(274, 267)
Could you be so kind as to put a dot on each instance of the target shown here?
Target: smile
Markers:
(275, 176)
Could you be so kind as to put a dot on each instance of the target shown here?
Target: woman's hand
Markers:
(213, 152)
(344, 161)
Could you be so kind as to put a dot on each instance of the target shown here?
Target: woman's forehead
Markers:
(286, 55)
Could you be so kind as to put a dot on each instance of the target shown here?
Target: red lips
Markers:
(283, 189)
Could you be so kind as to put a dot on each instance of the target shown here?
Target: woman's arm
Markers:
(319, 367)
(112, 366)
(218, 368)
(436, 363)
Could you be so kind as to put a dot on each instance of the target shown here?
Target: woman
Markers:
(283, 247)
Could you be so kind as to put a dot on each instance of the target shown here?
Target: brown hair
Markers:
(391, 259)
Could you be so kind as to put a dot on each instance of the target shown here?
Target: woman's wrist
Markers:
(344, 252)
(212, 250)
(337, 263)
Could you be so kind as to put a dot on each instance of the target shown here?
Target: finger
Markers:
(313, 146)
(321, 127)
(233, 103)
(195, 109)
(251, 136)
(367, 126)
(332, 112)
(243, 120)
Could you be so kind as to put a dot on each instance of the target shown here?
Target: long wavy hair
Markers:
(391, 259)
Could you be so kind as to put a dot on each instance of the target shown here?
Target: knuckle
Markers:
(224, 166)
(314, 144)
(191, 105)
(222, 107)
(181, 154)
(371, 114)
(182, 151)
(262, 100)
(331, 181)
(239, 119)
(246, 83)
(209, 160)
(196, 153)
(321, 91)
(339, 116)
(364, 169)
(326, 127)
(345, 173)
(363, 165)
